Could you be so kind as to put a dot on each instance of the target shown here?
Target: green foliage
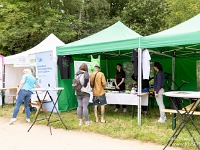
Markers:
(24, 24)
(181, 10)
(145, 17)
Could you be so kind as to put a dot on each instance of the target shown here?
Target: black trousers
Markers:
(144, 108)
(118, 106)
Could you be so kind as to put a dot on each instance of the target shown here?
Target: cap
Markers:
(97, 65)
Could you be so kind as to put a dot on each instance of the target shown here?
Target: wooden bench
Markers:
(174, 112)
(37, 105)
(13, 97)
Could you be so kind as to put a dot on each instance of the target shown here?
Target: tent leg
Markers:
(139, 84)
(173, 72)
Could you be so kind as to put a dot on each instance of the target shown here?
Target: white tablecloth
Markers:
(123, 98)
(183, 94)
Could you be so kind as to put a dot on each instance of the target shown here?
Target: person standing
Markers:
(120, 84)
(98, 82)
(83, 95)
(159, 90)
(24, 92)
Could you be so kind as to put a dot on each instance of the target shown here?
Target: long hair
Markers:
(118, 73)
(84, 67)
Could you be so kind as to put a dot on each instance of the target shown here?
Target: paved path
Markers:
(16, 137)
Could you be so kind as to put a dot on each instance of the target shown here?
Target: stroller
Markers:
(168, 78)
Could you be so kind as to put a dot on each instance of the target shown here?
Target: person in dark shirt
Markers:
(119, 83)
(158, 87)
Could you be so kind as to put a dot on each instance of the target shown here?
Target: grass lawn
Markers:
(120, 125)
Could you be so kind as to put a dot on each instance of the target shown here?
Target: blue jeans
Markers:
(23, 95)
(145, 90)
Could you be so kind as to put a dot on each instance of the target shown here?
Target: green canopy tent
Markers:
(114, 44)
(182, 44)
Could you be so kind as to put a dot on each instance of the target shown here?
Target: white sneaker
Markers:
(161, 120)
(88, 123)
(165, 118)
(28, 120)
(116, 109)
(12, 120)
(125, 110)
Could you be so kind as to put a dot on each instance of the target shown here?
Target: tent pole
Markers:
(173, 71)
(106, 66)
(139, 84)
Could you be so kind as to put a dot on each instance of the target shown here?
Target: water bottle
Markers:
(133, 91)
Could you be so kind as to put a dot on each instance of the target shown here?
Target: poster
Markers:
(77, 64)
(22, 61)
(1, 75)
(33, 65)
(46, 74)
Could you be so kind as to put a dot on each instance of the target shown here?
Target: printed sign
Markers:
(22, 61)
(46, 74)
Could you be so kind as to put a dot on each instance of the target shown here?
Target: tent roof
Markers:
(179, 40)
(47, 44)
(116, 37)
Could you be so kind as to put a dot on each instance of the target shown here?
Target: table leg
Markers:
(183, 124)
(173, 121)
(46, 118)
(132, 111)
(54, 106)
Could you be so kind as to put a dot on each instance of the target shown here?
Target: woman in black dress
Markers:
(119, 83)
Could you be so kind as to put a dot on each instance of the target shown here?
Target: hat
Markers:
(97, 65)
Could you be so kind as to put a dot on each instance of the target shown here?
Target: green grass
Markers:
(120, 125)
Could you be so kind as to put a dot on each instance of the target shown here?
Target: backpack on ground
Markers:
(76, 84)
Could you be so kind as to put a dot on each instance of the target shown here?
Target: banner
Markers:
(46, 74)
(22, 61)
(1, 75)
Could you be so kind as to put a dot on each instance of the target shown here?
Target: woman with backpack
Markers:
(83, 95)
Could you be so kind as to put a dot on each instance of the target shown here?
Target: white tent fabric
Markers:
(48, 44)
(13, 74)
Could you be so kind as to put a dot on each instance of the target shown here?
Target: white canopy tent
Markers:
(13, 74)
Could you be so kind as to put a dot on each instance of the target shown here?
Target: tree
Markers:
(24, 24)
(181, 10)
(145, 17)
(94, 17)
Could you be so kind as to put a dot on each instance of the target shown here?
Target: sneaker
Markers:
(28, 120)
(125, 110)
(144, 113)
(161, 120)
(12, 121)
(116, 109)
(88, 123)
(81, 123)
(165, 118)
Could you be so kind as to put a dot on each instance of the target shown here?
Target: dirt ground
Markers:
(16, 137)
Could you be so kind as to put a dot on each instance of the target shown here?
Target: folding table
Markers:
(125, 99)
(47, 92)
(185, 115)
